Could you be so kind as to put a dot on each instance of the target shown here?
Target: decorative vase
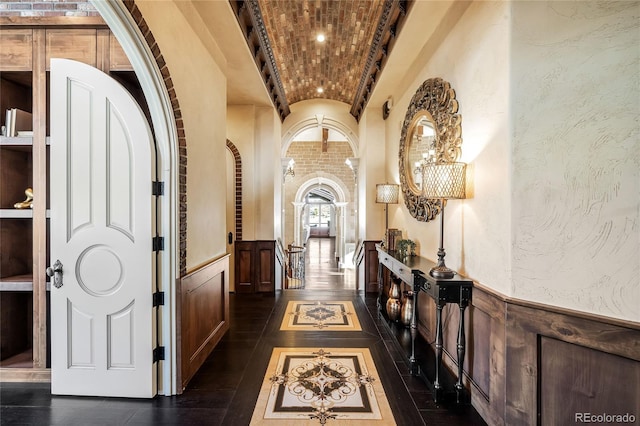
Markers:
(406, 312)
(394, 305)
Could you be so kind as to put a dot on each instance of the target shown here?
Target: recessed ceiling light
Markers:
(320, 90)
(320, 37)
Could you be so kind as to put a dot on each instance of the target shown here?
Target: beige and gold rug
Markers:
(316, 315)
(316, 386)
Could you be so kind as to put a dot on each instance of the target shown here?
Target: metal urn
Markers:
(406, 313)
(394, 304)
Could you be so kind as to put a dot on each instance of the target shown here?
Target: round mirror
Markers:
(421, 145)
(431, 131)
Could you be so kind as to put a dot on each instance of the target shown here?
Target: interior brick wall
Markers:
(309, 159)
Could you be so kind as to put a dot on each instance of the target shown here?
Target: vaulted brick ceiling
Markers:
(282, 36)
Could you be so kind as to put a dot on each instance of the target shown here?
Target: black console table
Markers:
(414, 271)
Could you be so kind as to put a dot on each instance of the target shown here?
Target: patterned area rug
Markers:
(315, 386)
(327, 316)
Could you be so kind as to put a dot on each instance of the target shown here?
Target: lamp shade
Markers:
(445, 180)
(387, 193)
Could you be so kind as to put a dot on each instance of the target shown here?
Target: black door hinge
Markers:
(158, 243)
(158, 354)
(157, 188)
(158, 298)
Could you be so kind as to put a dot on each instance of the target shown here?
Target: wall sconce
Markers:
(353, 164)
(387, 193)
(287, 168)
(444, 181)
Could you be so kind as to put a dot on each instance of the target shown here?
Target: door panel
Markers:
(102, 160)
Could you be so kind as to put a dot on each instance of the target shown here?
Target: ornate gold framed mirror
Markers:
(431, 131)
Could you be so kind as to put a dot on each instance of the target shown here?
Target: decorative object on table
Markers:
(28, 203)
(406, 247)
(406, 312)
(394, 304)
(445, 181)
(387, 193)
(393, 236)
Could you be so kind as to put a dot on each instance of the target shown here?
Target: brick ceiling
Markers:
(282, 36)
(306, 64)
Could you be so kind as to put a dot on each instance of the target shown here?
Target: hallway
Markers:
(225, 390)
(322, 270)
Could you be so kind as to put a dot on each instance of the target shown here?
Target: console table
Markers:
(414, 271)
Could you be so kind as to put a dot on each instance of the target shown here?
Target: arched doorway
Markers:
(161, 108)
(316, 158)
(320, 208)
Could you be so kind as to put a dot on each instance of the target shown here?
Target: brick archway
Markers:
(182, 140)
(238, 188)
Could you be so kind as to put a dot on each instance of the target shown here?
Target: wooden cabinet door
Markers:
(255, 269)
(265, 273)
(244, 267)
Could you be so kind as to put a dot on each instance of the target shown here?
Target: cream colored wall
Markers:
(473, 57)
(549, 100)
(241, 131)
(267, 172)
(576, 154)
(376, 166)
(200, 86)
(255, 132)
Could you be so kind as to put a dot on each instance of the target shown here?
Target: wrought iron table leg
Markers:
(436, 384)
(461, 351)
(413, 362)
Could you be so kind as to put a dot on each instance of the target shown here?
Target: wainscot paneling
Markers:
(367, 266)
(255, 268)
(564, 365)
(533, 364)
(203, 314)
(484, 364)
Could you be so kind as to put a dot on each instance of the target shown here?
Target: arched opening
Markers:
(234, 205)
(125, 21)
(319, 189)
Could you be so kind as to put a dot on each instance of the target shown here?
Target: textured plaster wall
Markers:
(472, 54)
(576, 155)
(549, 97)
(203, 109)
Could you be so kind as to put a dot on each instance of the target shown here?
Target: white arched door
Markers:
(102, 225)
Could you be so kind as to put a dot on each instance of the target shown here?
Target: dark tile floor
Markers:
(225, 390)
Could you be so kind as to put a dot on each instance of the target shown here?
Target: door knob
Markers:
(56, 273)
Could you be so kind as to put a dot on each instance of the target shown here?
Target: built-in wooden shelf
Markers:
(17, 283)
(21, 360)
(20, 214)
(16, 214)
(16, 141)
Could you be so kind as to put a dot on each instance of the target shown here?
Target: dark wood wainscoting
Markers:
(255, 268)
(564, 363)
(203, 314)
(367, 266)
(534, 364)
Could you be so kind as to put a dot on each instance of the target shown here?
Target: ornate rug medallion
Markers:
(315, 386)
(328, 316)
